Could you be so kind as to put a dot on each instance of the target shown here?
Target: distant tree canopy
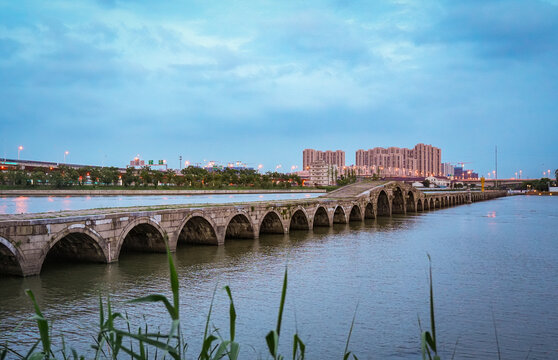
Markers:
(539, 185)
(191, 177)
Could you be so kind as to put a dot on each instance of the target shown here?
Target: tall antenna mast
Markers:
(496, 158)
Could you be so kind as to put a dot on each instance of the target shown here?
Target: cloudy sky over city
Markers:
(259, 81)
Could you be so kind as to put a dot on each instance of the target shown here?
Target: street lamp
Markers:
(520, 171)
(65, 154)
(19, 148)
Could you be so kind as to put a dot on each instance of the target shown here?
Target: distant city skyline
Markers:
(105, 80)
(182, 162)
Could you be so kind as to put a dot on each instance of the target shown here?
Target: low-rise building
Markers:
(322, 174)
(439, 181)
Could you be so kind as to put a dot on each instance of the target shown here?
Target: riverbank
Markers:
(542, 193)
(115, 192)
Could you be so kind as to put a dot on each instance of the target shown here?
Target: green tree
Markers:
(157, 177)
(72, 176)
(556, 174)
(56, 179)
(170, 175)
(38, 177)
(83, 174)
(146, 175)
(129, 177)
(179, 180)
(426, 183)
(95, 175)
(109, 175)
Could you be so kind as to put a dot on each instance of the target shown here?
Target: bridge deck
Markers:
(353, 190)
(136, 209)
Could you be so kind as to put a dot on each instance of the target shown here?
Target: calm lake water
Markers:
(39, 204)
(497, 258)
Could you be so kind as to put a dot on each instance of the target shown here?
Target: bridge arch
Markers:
(75, 244)
(271, 223)
(383, 208)
(355, 214)
(411, 202)
(398, 202)
(197, 229)
(321, 218)
(339, 216)
(11, 258)
(142, 235)
(299, 220)
(239, 227)
(419, 205)
(432, 204)
(437, 203)
(369, 211)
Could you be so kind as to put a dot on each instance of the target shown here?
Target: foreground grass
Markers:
(115, 338)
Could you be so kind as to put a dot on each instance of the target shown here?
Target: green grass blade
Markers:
(235, 350)
(37, 356)
(173, 279)
(161, 345)
(298, 345)
(272, 340)
(346, 352)
(232, 313)
(207, 340)
(496, 335)
(41, 323)
(101, 312)
(282, 304)
(432, 320)
(173, 312)
(32, 349)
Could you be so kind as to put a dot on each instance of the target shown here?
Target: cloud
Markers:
(343, 74)
(511, 29)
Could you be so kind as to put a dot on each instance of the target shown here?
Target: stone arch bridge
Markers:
(27, 241)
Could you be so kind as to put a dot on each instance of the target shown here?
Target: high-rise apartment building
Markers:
(448, 169)
(422, 160)
(309, 156)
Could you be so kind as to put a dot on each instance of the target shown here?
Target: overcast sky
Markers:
(259, 81)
